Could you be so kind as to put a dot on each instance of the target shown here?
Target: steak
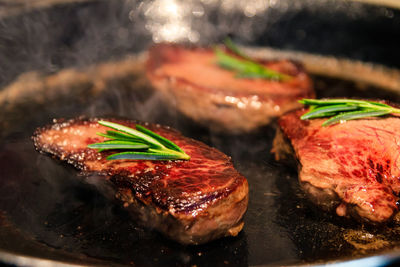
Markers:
(191, 201)
(353, 167)
(191, 79)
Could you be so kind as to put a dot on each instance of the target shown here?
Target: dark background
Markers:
(77, 34)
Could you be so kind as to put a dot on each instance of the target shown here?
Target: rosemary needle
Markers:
(140, 144)
(244, 66)
(340, 110)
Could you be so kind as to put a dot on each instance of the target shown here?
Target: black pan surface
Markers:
(48, 211)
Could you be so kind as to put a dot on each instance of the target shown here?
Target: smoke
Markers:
(80, 34)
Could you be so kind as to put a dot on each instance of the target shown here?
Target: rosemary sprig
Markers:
(244, 66)
(341, 110)
(234, 49)
(140, 143)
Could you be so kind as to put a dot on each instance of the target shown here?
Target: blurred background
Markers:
(50, 35)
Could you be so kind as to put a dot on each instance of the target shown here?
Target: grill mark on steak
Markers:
(353, 166)
(191, 201)
(190, 78)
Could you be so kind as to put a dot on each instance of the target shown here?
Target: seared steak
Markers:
(192, 201)
(353, 167)
(191, 80)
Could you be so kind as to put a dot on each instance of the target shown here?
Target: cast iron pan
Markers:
(86, 58)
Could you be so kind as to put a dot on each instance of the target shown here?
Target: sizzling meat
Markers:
(191, 201)
(203, 91)
(353, 167)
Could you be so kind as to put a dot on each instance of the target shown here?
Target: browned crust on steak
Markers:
(191, 202)
(191, 80)
(351, 167)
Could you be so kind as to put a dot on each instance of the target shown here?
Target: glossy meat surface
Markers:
(191, 79)
(180, 194)
(353, 166)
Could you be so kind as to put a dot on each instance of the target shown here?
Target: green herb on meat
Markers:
(138, 144)
(244, 66)
(341, 110)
